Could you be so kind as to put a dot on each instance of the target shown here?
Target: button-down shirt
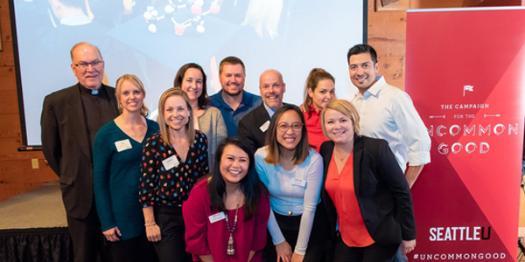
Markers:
(232, 117)
(387, 112)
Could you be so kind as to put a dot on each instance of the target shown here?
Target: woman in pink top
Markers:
(319, 91)
(226, 215)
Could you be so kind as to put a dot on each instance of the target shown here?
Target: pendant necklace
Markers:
(230, 250)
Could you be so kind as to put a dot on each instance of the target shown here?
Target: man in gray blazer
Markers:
(69, 122)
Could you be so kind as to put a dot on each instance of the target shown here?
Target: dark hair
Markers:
(250, 184)
(231, 60)
(315, 75)
(202, 101)
(362, 48)
(274, 149)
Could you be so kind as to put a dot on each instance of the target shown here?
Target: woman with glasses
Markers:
(116, 158)
(208, 119)
(366, 192)
(172, 162)
(318, 92)
(292, 173)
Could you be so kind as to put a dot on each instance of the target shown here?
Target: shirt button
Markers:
(290, 213)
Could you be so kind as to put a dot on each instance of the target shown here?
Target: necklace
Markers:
(230, 249)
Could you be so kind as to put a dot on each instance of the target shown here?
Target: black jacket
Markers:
(66, 147)
(381, 190)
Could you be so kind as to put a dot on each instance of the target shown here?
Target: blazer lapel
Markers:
(75, 104)
(358, 158)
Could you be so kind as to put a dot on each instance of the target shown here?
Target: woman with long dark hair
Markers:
(226, 215)
(292, 173)
(208, 119)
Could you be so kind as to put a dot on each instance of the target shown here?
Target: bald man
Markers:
(69, 122)
(253, 126)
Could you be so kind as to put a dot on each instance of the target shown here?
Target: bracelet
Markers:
(151, 224)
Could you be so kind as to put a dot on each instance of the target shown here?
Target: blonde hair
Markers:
(163, 127)
(135, 81)
(344, 107)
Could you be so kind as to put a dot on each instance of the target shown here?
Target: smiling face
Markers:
(234, 164)
(322, 94)
(363, 71)
(176, 113)
(192, 83)
(130, 96)
(272, 89)
(339, 127)
(289, 130)
(87, 65)
(232, 79)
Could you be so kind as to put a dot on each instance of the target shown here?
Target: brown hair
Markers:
(344, 107)
(315, 75)
(190, 130)
(274, 148)
(231, 60)
(133, 79)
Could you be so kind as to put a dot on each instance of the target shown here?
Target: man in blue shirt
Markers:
(232, 100)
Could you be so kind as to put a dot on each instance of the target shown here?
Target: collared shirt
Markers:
(387, 112)
(232, 117)
(269, 110)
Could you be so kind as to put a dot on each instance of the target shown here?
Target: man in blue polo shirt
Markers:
(232, 100)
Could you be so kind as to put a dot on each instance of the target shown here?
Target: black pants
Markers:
(136, 249)
(171, 247)
(318, 243)
(86, 237)
(372, 253)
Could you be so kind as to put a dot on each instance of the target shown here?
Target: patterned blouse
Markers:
(165, 179)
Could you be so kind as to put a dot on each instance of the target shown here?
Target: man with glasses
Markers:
(253, 126)
(69, 122)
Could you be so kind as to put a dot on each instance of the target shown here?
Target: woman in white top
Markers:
(292, 173)
(208, 119)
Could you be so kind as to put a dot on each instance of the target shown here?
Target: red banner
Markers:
(465, 71)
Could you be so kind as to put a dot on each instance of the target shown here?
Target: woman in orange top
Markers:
(319, 91)
(364, 190)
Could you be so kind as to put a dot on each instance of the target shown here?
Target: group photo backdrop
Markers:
(153, 38)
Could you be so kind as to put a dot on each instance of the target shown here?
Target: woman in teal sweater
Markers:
(117, 154)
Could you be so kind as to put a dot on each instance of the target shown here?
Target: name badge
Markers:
(217, 217)
(170, 162)
(299, 182)
(123, 145)
(265, 126)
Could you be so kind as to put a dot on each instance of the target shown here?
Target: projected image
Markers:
(153, 38)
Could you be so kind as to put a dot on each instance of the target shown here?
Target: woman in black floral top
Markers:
(172, 161)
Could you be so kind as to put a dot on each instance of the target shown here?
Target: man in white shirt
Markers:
(387, 112)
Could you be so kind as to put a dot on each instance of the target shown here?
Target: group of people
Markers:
(235, 176)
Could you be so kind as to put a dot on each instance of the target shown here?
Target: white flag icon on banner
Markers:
(468, 88)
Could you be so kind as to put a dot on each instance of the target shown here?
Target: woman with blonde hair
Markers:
(319, 91)
(172, 162)
(365, 191)
(116, 158)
